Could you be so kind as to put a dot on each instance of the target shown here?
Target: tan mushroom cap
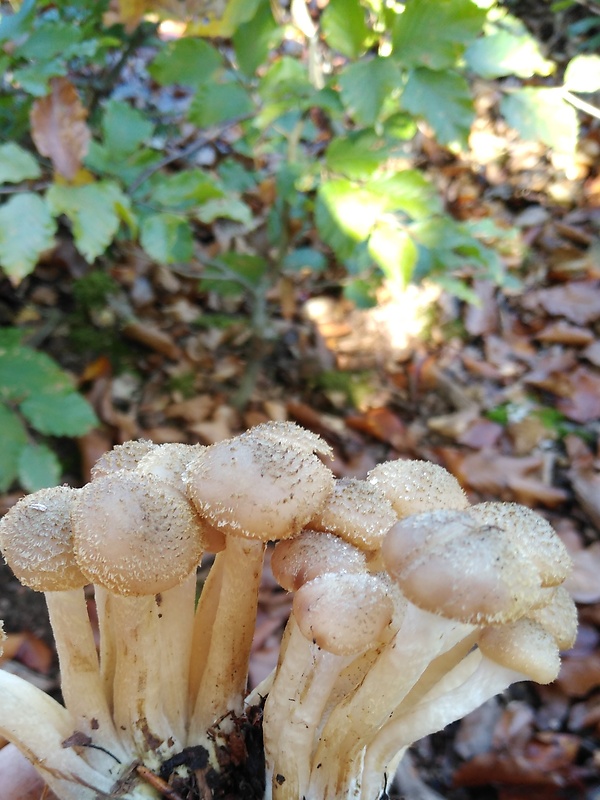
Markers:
(478, 578)
(122, 456)
(343, 614)
(302, 558)
(533, 533)
(135, 534)
(291, 435)
(523, 646)
(357, 511)
(416, 486)
(558, 617)
(37, 541)
(258, 487)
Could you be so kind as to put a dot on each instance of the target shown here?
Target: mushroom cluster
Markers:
(411, 607)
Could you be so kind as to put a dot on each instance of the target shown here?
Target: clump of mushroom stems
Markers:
(411, 607)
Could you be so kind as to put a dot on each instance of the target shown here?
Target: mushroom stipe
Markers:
(411, 608)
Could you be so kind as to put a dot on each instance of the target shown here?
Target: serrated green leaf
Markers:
(49, 40)
(366, 85)
(188, 62)
(356, 156)
(34, 78)
(215, 103)
(95, 211)
(185, 189)
(253, 40)
(25, 372)
(344, 27)
(433, 33)
(38, 467)
(505, 53)
(125, 128)
(59, 414)
(26, 230)
(444, 100)
(286, 79)
(542, 115)
(14, 25)
(235, 177)
(225, 208)
(583, 74)
(17, 164)
(167, 238)
(394, 251)
(14, 438)
(408, 191)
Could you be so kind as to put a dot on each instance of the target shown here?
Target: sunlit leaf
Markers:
(215, 103)
(433, 33)
(17, 164)
(253, 40)
(365, 86)
(394, 251)
(167, 238)
(186, 189)
(443, 99)
(225, 208)
(356, 156)
(505, 53)
(542, 115)
(59, 414)
(583, 74)
(26, 230)
(344, 27)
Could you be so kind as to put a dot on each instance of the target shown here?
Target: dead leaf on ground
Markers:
(582, 404)
(59, 129)
(584, 581)
(578, 301)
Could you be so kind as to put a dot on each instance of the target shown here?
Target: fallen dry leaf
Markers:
(59, 129)
(578, 301)
(564, 333)
(584, 581)
(582, 403)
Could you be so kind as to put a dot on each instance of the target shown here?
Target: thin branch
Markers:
(575, 101)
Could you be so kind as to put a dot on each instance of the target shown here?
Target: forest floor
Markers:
(504, 393)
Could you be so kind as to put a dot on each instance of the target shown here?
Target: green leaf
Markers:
(188, 62)
(17, 164)
(253, 40)
(305, 258)
(433, 33)
(407, 191)
(286, 79)
(49, 40)
(236, 177)
(185, 189)
(443, 99)
(15, 25)
(167, 238)
(345, 213)
(95, 210)
(356, 155)
(506, 53)
(216, 103)
(38, 467)
(34, 78)
(14, 438)
(26, 231)
(542, 115)
(125, 128)
(225, 208)
(344, 27)
(394, 251)
(25, 372)
(366, 85)
(231, 275)
(583, 74)
(59, 414)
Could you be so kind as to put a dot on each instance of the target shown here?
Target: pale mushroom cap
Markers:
(291, 435)
(558, 617)
(37, 541)
(302, 558)
(477, 578)
(258, 488)
(533, 533)
(416, 486)
(358, 512)
(169, 461)
(122, 456)
(135, 534)
(343, 613)
(523, 646)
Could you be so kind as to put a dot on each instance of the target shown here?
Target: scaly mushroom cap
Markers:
(290, 435)
(37, 541)
(356, 511)
(135, 534)
(558, 617)
(531, 532)
(416, 486)
(122, 456)
(343, 614)
(302, 558)
(475, 575)
(259, 486)
(523, 646)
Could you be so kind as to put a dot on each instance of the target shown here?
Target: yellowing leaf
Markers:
(126, 12)
(59, 129)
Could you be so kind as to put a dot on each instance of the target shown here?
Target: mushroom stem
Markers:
(204, 624)
(352, 724)
(38, 726)
(293, 712)
(223, 681)
(81, 683)
(107, 642)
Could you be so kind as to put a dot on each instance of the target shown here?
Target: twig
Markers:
(157, 783)
(575, 101)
